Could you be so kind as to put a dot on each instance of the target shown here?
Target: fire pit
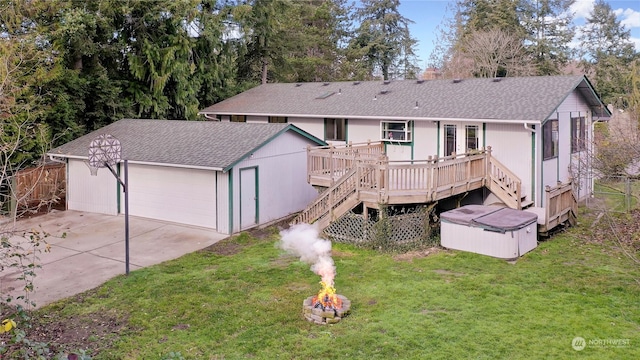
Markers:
(327, 307)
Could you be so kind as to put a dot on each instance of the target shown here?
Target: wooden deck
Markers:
(362, 173)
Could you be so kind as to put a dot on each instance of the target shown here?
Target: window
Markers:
(449, 139)
(335, 129)
(399, 131)
(578, 134)
(238, 118)
(278, 119)
(550, 139)
(471, 137)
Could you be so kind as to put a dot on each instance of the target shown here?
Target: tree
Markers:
(549, 32)
(382, 41)
(315, 47)
(264, 26)
(496, 53)
(607, 52)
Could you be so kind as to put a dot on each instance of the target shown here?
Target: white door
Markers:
(185, 196)
(460, 138)
(248, 197)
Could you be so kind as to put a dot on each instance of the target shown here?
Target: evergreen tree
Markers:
(382, 40)
(549, 32)
(607, 52)
(28, 63)
(316, 31)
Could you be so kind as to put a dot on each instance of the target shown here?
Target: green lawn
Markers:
(447, 305)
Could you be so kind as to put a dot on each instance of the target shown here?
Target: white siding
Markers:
(313, 126)
(559, 169)
(511, 145)
(282, 179)
(257, 119)
(186, 196)
(425, 139)
(97, 194)
(223, 203)
(363, 130)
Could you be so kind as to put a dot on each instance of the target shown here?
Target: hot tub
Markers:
(489, 230)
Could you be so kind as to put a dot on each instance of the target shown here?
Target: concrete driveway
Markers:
(93, 251)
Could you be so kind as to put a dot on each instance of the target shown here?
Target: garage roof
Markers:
(204, 144)
(524, 99)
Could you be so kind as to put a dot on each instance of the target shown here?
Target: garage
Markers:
(223, 176)
(180, 195)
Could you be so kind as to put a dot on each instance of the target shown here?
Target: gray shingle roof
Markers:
(524, 98)
(210, 144)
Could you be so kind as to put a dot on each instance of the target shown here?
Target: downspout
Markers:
(208, 117)
(534, 172)
(526, 126)
(56, 160)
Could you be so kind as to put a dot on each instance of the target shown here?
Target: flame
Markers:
(327, 297)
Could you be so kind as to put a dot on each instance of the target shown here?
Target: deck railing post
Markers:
(331, 150)
(309, 164)
(488, 167)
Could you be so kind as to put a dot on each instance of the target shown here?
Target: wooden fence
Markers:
(38, 186)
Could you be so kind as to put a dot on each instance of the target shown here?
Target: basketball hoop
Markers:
(106, 151)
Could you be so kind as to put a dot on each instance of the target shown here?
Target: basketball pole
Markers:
(125, 189)
(126, 214)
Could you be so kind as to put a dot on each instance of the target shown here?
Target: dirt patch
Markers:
(224, 247)
(623, 229)
(418, 254)
(91, 333)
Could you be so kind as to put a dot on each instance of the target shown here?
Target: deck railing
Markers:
(365, 171)
(560, 206)
(421, 180)
(329, 163)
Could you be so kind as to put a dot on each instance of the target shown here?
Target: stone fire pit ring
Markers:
(322, 316)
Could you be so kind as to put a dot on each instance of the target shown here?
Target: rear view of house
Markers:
(538, 130)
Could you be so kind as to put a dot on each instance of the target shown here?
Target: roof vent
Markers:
(356, 83)
(419, 81)
(387, 82)
(298, 85)
(455, 81)
(326, 84)
(383, 92)
(497, 79)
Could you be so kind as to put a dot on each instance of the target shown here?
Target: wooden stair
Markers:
(332, 203)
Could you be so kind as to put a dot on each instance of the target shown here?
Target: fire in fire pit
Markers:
(327, 307)
(302, 240)
(327, 298)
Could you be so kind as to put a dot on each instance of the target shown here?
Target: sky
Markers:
(428, 14)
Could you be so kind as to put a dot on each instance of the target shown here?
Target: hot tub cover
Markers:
(506, 219)
(491, 218)
(466, 214)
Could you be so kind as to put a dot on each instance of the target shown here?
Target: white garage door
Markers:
(98, 194)
(186, 196)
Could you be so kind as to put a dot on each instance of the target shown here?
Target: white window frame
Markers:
(396, 131)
